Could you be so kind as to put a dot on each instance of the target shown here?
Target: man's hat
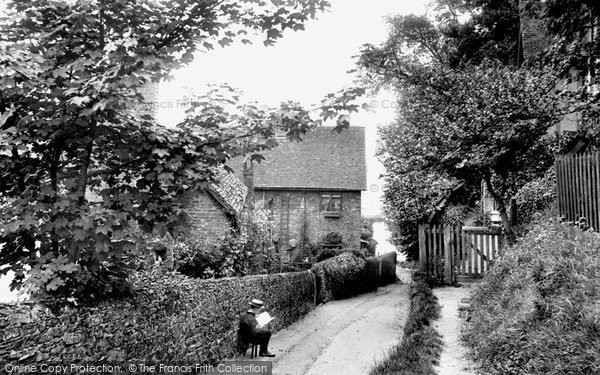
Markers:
(256, 303)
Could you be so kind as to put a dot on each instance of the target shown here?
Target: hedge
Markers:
(170, 318)
(387, 274)
(346, 275)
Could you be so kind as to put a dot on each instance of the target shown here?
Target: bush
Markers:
(333, 238)
(421, 344)
(366, 234)
(388, 268)
(536, 311)
(341, 277)
(330, 253)
(535, 196)
(231, 257)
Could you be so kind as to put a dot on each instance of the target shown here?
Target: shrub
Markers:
(536, 311)
(231, 257)
(366, 234)
(330, 253)
(535, 196)
(333, 238)
(421, 344)
(388, 268)
(340, 277)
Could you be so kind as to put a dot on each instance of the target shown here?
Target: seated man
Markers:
(251, 332)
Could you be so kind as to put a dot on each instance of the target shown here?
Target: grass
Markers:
(538, 310)
(421, 344)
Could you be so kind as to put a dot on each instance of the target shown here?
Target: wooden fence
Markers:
(448, 251)
(578, 187)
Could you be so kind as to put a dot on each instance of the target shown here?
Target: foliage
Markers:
(455, 214)
(326, 254)
(421, 344)
(473, 121)
(168, 317)
(464, 31)
(193, 258)
(536, 311)
(343, 276)
(366, 234)
(535, 196)
(332, 238)
(236, 253)
(78, 165)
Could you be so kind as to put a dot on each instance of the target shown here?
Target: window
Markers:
(331, 205)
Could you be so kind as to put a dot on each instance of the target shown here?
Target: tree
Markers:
(471, 121)
(66, 69)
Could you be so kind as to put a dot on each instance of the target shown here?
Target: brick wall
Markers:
(207, 217)
(532, 33)
(307, 223)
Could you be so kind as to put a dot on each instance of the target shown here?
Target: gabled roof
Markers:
(325, 159)
(229, 191)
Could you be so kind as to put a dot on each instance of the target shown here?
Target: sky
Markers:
(303, 66)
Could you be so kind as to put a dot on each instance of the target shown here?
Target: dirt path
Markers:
(343, 337)
(453, 360)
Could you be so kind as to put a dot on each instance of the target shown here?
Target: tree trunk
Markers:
(508, 229)
(85, 165)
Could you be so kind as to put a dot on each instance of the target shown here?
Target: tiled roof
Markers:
(323, 160)
(229, 191)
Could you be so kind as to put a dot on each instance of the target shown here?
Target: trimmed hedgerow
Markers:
(537, 311)
(421, 344)
(170, 318)
(388, 268)
(347, 275)
(338, 277)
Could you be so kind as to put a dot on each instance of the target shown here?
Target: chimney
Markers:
(249, 182)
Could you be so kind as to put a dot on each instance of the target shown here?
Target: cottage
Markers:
(312, 188)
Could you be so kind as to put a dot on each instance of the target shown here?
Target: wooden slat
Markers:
(474, 253)
(422, 249)
(430, 270)
(573, 187)
(463, 250)
(593, 222)
(580, 211)
(597, 190)
(488, 251)
(447, 255)
(568, 183)
(567, 188)
(481, 253)
(440, 248)
(559, 189)
(586, 179)
(592, 185)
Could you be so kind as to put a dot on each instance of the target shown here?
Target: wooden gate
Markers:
(448, 251)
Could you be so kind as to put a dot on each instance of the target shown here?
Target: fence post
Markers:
(448, 254)
(422, 251)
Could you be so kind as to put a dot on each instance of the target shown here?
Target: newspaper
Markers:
(264, 318)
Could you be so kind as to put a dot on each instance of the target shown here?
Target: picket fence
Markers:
(578, 187)
(448, 251)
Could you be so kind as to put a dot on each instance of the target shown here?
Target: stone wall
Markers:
(307, 223)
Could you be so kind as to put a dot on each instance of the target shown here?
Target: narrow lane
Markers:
(343, 337)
